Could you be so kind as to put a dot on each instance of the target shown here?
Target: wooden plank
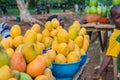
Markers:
(105, 26)
(88, 25)
(98, 27)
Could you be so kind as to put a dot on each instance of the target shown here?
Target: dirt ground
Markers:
(67, 17)
(89, 72)
(94, 49)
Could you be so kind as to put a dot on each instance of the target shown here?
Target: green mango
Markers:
(4, 58)
(93, 3)
(24, 76)
(116, 2)
(16, 74)
(99, 10)
(109, 8)
(104, 12)
(93, 10)
(87, 10)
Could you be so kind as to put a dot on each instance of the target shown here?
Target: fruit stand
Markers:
(81, 69)
(100, 28)
(37, 55)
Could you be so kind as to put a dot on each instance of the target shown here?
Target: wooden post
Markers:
(115, 67)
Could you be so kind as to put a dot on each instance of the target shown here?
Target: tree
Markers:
(24, 13)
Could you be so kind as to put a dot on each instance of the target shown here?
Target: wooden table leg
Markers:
(102, 48)
(103, 38)
(115, 67)
(101, 42)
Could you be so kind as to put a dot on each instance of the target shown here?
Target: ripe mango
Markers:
(73, 32)
(30, 36)
(18, 62)
(5, 72)
(28, 51)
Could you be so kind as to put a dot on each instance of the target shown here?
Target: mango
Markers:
(42, 77)
(16, 74)
(63, 49)
(4, 58)
(28, 51)
(73, 32)
(24, 76)
(62, 36)
(5, 72)
(15, 31)
(36, 67)
(30, 36)
(60, 58)
(36, 28)
(18, 62)
(18, 49)
(49, 74)
(79, 41)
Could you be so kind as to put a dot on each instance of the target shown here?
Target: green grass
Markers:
(59, 10)
(15, 11)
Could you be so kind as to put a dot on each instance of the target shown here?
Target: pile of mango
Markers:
(22, 57)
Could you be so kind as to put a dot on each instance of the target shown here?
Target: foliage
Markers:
(106, 2)
(53, 3)
(8, 3)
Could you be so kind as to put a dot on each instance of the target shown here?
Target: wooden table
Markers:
(99, 28)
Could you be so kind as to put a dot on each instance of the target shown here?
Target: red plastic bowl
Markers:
(104, 20)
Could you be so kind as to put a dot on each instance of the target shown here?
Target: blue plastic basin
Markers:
(84, 58)
(65, 71)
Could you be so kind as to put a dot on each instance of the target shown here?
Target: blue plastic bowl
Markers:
(84, 58)
(65, 71)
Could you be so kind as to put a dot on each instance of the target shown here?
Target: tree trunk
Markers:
(24, 13)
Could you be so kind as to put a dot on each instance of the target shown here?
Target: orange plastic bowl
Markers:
(92, 18)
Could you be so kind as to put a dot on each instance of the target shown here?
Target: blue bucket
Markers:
(84, 58)
(65, 71)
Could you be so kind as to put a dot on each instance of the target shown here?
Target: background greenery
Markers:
(15, 11)
(55, 5)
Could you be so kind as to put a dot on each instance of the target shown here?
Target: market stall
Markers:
(99, 28)
(103, 43)
(53, 53)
